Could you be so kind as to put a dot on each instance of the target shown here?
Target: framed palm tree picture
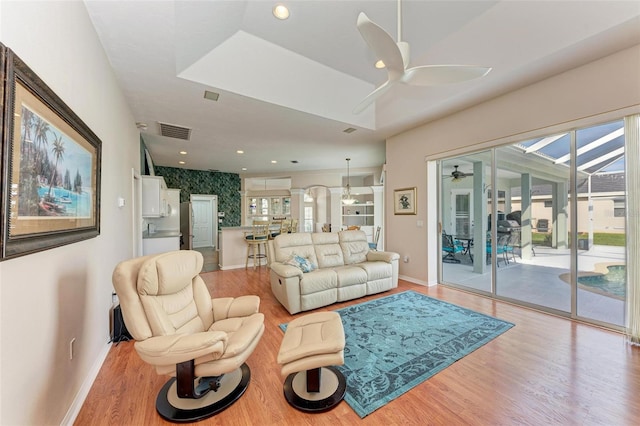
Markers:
(50, 166)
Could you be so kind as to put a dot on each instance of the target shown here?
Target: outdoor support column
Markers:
(507, 199)
(297, 206)
(479, 209)
(560, 204)
(336, 209)
(526, 244)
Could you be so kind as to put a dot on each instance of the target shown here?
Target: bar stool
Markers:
(256, 239)
(285, 225)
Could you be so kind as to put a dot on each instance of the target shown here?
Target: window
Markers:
(308, 218)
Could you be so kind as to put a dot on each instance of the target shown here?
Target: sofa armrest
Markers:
(177, 348)
(234, 307)
(286, 271)
(384, 256)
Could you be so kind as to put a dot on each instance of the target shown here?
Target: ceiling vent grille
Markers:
(173, 131)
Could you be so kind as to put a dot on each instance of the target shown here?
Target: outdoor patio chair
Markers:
(451, 248)
(513, 243)
(542, 225)
(501, 250)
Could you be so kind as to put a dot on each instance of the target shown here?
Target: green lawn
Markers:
(599, 238)
(609, 239)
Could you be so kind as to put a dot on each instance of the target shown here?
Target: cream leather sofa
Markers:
(345, 269)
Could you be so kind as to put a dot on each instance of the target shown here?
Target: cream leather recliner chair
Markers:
(185, 334)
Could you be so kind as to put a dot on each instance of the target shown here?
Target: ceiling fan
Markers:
(395, 56)
(457, 175)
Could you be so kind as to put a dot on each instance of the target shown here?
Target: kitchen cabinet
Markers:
(269, 207)
(154, 196)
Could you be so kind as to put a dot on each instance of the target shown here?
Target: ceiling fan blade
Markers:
(433, 75)
(383, 45)
(371, 97)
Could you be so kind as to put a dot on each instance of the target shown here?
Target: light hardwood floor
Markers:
(544, 371)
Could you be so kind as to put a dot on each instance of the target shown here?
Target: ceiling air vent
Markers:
(173, 131)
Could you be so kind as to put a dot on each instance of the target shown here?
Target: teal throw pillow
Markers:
(300, 262)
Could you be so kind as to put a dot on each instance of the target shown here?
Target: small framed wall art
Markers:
(404, 201)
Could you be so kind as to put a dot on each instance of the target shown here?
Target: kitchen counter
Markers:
(160, 241)
(161, 234)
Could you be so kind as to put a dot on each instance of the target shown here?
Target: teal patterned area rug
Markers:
(396, 342)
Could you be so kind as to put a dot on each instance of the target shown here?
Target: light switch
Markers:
(121, 202)
(420, 223)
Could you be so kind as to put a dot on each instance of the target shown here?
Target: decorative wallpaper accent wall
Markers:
(225, 185)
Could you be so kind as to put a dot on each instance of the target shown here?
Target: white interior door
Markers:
(204, 209)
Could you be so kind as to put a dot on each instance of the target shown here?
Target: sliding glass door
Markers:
(541, 222)
(465, 199)
(601, 212)
(532, 227)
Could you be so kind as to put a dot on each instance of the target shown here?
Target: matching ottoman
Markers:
(311, 346)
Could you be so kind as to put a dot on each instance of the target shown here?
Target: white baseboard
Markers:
(226, 268)
(78, 401)
(415, 281)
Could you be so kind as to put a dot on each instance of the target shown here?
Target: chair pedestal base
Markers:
(300, 389)
(187, 410)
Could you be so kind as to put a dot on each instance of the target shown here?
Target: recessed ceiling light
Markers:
(181, 162)
(244, 168)
(380, 64)
(295, 161)
(240, 151)
(273, 161)
(183, 152)
(280, 11)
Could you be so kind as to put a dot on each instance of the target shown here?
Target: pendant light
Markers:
(346, 196)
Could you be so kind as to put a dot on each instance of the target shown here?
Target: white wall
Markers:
(601, 90)
(46, 299)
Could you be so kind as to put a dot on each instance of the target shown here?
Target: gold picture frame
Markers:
(404, 201)
(50, 166)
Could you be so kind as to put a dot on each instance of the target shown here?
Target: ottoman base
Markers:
(299, 389)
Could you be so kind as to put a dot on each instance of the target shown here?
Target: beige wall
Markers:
(46, 299)
(602, 90)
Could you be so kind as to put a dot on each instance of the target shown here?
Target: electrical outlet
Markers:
(71, 343)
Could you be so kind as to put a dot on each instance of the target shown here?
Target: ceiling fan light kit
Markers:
(395, 56)
(457, 175)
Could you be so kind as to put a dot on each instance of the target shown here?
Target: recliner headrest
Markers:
(169, 273)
